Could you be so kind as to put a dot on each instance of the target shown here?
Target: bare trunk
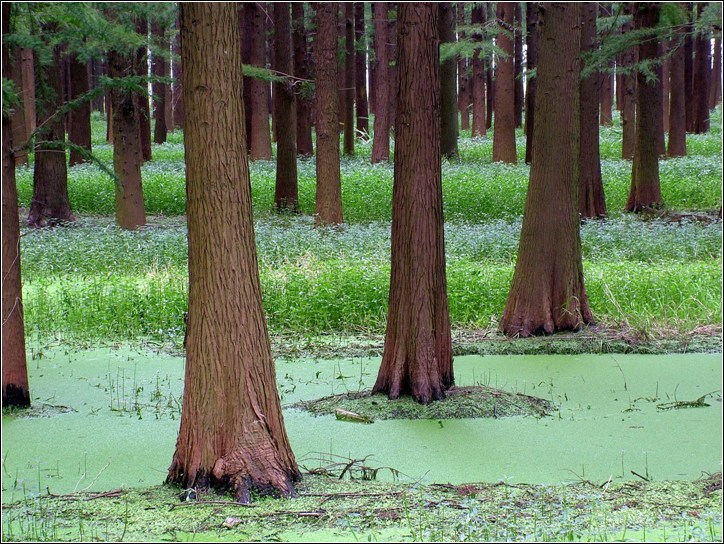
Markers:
(79, 126)
(381, 142)
(305, 147)
(518, 64)
(232, 430)
(159, 68)
(478, 83)
(689, 71)
(261, 148)
(702, 78)
(360, 71)
(349, 86)
(677, 107)
(665, 84)
(504, 128)
(628, 113)
(21, 69)
(243, 10)
(144, 110)
(177, 88)
(547, 292)
(715, 89)
(464, 94)
(448, 85)
(533, 16)
(606, 97)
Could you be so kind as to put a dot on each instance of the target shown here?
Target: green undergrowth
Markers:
(332, 509)
(460, 402)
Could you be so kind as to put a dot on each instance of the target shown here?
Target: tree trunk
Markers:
(22, 72)
(177, 88)
(489, 14)
(702, 78)
(286, 194)
(360, 71)
(677, 106)
(381, 141)
(417, 358)
(305, 148)
(349, 82)
(50, 201)
(109, 118)
(478, 83)
(448, 85)
(127, 154)
(518, 64)
(591, 198)
(16, 392)
(665, 85)
(715, 90)
(533, 17)
(463, 78)
(628, 113)
(261, 148)
(504, 128)
(232, 430)
(392, 56)
(689, 70)
(328, 210)
(660, 138)
(144, 110)
(159, 68)
(547, 292)
(243, 10)
(79, 126)
(606, 97)
(645, 185)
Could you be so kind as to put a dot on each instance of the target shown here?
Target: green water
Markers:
(108, 418)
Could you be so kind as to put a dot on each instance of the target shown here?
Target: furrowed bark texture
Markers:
(417, 358)
(305, 147)
(50, 201)
(478, 82)
(504, 128)
(328, 209)
(677, 105)
(286, 193)
(232, 431)
(21, 70)
(261, 148)
(448, 85)
(381, 138)
(591, 198)
(532, 38)
(518, 64)
(547, 293)
(16, 392)
(127, 154)
(645, 191)
(360, 71)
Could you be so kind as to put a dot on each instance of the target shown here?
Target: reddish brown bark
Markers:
(417, 358)
(591, 198)
(16, 392)
(504, 127)
(665, 85)
(448, 85)
(232, 430)
(533, 17)
(645, 189)
(286, 193)
(79, 125)
(349, 83)
(392, 56)
(127, 154)
(518, 64)
(628, 111)
(464, 95)
(360, 71)
(702, 79)
(23, 118)
(305, 147)
(159, 68)
(381, 141)
(328, 209)
(261, 148)
(243, 10)
(547, 292)
(50, 202)
(140, 68)
(715, 89)
(606, 97)
(177, 88)
(478, 81)
(677, 106)
(689, 70)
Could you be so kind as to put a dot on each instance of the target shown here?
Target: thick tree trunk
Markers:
(518, 64)
(349, 83)
(645, 189)
(504, 128)
(16, 392)
(286, 193)
(478, 82)
(677, 106)
(232, 430)
(448, 85)
(144, 111)
(392, 56)
(127, 154)
(79, 126)
(305, 147)
(159, 68)
(628, 112)
(533, 17)
(548, 293)
(50, 201)
(591, 198)
(417, 358)
(702, 79)
(261, 148)
(328, 210)
(360, 71)
(19, 122)
(381, 141)
(715, 89)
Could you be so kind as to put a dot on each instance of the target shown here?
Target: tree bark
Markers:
(715, 90)
(79, 126)
(489, 14)
(448, 85)
(665, 85)
(243, 10)
(232, 430)
(463, 77)
(22, 72)
(677, 106)
(591, 197)
(689, 70)
(328, 209)
(518, 64)
(286, 194)
(360, 71)
(645, 189)
(177, 88)
(159, 68)
(504, 128)
(533, 17)
(16, 391)
(606, 97)
(628, 112)
(261, 148)
(305, 147)
(417, 358)
(349, 82)
(547, 292)
(478, 83)
(381, 141)
(127, 153)
(702, 78)
(50, 202)
(144, 111)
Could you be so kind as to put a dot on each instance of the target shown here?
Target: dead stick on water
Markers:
(210, 503)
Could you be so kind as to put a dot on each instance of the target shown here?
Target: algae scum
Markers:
(630, 449)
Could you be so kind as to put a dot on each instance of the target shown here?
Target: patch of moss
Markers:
(461, 402)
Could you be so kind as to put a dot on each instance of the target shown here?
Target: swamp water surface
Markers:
(108, 418)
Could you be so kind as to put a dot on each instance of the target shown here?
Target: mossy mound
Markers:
(461, 402)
